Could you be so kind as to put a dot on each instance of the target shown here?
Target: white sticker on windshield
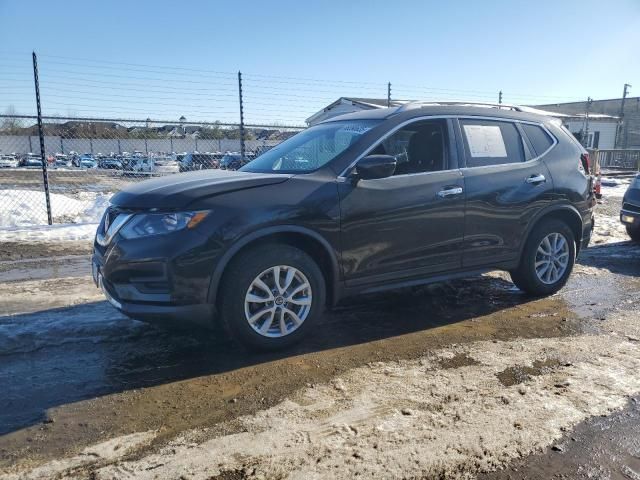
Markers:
(356, 128)
(485, 141)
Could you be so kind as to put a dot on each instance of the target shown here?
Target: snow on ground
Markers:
(23, 215)
(614, 187)
(608, 228)
(22, 208)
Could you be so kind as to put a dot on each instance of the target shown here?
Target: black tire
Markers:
(525, 276)
(240, 274)
(634, 232)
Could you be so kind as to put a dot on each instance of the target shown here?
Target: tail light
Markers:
(586, 163)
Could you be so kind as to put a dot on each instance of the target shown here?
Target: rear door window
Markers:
(538, 137)
(490, 142)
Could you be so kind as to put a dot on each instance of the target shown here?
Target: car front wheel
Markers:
(634, 232)
(547, 259)
(272, 296)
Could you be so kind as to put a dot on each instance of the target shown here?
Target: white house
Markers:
(601, 131)
(345, 105)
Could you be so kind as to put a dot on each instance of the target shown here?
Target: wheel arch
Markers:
(303, 238)
(565, 213)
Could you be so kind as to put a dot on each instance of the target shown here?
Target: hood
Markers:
(178, 191)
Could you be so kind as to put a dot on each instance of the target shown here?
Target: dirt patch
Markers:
(219, 382)
(21, 250)
(457, 361)
(521, 373)
(409, 418)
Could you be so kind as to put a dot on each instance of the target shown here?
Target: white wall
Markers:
(607, 131)
(54, 144)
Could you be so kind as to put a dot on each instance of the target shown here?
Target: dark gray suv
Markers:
(360, 203)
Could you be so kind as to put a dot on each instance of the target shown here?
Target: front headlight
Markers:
(147, 224)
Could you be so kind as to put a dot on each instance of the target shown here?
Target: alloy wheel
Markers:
(278, 301)
(552, 258)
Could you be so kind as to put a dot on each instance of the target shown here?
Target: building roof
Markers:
(365, 103)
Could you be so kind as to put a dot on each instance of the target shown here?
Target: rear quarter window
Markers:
(490, 142)
(539, 138)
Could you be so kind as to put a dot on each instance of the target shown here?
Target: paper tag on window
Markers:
(485, 141)
(356, 128)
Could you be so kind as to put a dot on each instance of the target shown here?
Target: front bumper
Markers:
(149, 307)
(162, 279)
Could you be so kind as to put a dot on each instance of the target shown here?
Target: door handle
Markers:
(449, 192)
(536, 179)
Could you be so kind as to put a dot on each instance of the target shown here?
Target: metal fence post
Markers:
(241, 116)
(45, 177)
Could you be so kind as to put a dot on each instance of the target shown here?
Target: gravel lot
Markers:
(454, 380)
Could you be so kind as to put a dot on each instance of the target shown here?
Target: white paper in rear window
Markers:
(485, 141)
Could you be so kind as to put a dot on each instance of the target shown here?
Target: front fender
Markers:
(239, 244)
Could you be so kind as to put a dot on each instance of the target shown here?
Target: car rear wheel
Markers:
(271, 297)
(547, 259)
(634, 232)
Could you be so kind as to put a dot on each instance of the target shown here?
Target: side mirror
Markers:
(375, 166)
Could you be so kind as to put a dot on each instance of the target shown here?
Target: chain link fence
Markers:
(87, 160)
(111, 135)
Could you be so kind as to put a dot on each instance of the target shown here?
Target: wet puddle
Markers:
(606, 447)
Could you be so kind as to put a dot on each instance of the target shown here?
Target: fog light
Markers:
(627, 219)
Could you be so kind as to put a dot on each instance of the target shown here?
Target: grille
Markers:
(631, 208)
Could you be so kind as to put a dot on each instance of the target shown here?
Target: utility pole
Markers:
(389, 94)
(45, 175)
(585, 142)
(241, 117)
(621, 122)
(500, 97)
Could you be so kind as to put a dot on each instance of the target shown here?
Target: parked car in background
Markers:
(87, 162)
(234, 160)
(8, 161)
(630, 214)
(360, 203)
(199, 161)
(32, 160)
(110, 163)
(165, 164)
(61, 160)
(140, 165)
(231, 161)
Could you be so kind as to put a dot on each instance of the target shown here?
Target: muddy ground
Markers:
(453, 380)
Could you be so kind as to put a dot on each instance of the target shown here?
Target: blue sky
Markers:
(160, 59)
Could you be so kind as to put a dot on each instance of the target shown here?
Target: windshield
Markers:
(312, 148)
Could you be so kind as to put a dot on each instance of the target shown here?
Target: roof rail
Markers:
(420, 103)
